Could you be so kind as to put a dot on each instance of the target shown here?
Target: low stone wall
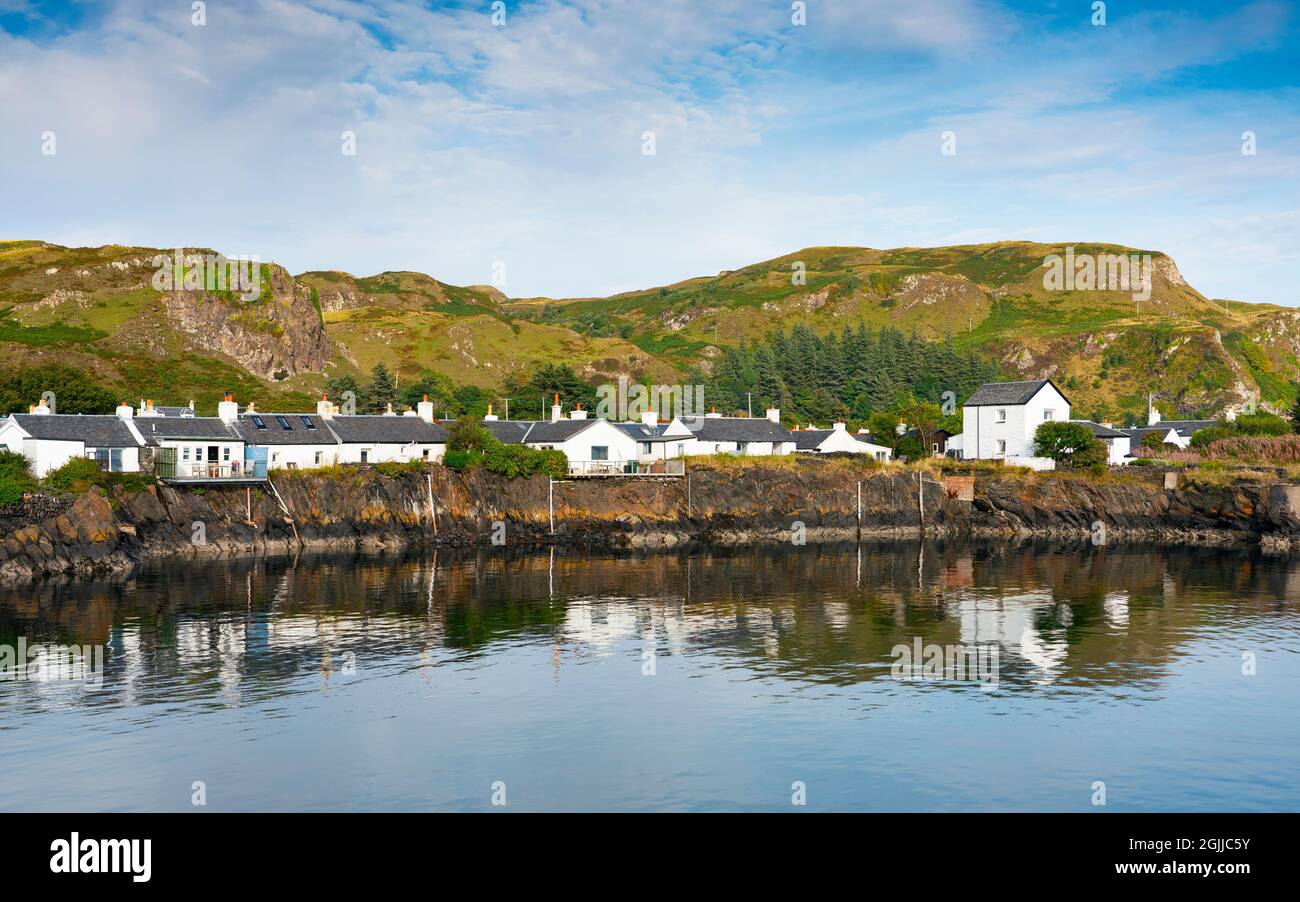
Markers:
(808, 499)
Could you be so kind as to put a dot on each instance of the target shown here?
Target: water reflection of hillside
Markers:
(236, 631)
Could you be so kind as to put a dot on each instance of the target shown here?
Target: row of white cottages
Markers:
(245, 444)
(999, 421)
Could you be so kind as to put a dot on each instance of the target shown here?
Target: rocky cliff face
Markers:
(814, 501)
(276, 336)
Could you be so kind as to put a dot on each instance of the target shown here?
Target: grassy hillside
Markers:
(95, 308)
(1194, 354)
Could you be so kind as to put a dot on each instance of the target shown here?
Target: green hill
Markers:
(96, 308)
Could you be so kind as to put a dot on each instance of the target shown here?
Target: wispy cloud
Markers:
(523, 143)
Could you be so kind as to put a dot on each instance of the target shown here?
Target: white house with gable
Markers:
(999, 421)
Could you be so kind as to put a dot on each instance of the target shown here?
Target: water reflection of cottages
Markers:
(244, 631)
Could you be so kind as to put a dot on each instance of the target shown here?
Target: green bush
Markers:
(15, 467)
(469, 435)
(11, 492)
(1071, 445)
(514, 461)
(76, 475)
(460, 460)
(1261, 424)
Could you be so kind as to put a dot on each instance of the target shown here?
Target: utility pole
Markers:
(507, 400)
(749, 403)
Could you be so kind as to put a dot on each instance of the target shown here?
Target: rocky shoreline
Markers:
(808, 500)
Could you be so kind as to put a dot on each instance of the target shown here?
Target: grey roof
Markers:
(643, 433)
(95, 430)
(511, 432)
(394, 430)
(1011, 393)
(275, 434)
(1184, 428)
(868, 439)
(1101, 431)
(558, 431)
(735, 429)
(809, 439)
(155, 429)
(175, 411)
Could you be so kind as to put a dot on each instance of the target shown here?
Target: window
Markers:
(306, 421)
(681, 450)
(225, 454)
(1049, 414)
(1002, 446)
(291, 466)
(1002, 415)
(742, 447)
(185, 452)
(365, 455)
(600, 452)
(646, 448)
(425, 453)
(936, 447)
(284, 423)
(259, 422)
(316, 459)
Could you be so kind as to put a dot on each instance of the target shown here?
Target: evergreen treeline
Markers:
(851, 375)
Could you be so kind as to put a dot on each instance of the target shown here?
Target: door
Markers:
(214, 460)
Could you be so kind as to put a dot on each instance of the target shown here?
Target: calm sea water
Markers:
(734, 680)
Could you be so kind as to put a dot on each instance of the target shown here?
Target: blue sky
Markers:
(519, 146)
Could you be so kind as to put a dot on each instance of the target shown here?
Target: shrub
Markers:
(459, 460)
(469, 435)
(1071, 445)
(1261, 424)
(15, 467)
(1153, 441)
(76, 475)
(514, 461)
(1203, 438)
(11, 492)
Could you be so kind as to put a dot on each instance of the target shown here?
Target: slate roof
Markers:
(1101, 431)
(559, 431)
(390, 430)
(869, 439)
(1009, 393)
(809, 439)
(511, 432)
(1184, 428)
(95, 430)
(275, 434)
(155, 429)
(175, 411)
(643, 433)
(736, 429)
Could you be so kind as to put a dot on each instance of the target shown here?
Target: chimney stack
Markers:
(425, 409)
(123, 410)
(650, 418)
(774, 414)
(490, 416)
(41, 408)
(578, 413)
(556, 412)
(228, 410)
(325, 408)
(838, 427)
